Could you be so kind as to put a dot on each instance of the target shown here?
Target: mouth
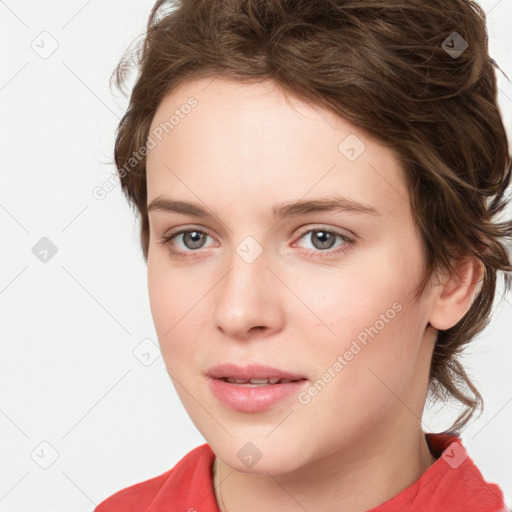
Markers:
(258, 382)
(253, 388)
(255, 373)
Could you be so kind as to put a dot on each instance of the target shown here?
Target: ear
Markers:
(456, 293)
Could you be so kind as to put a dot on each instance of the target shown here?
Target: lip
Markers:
(251, 371)
(252, 399)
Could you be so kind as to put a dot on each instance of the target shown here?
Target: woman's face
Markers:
(323, 293)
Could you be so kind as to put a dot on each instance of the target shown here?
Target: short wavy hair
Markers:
(414, 74)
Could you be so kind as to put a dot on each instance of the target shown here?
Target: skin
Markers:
(241, 150)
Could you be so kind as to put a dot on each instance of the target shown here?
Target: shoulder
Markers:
(135, 497)
(191, 472)
(458, 480)
(453, 482)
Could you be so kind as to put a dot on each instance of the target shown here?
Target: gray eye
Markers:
(193, 239)
(322, 239)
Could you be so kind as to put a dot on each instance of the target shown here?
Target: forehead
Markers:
(216, 137)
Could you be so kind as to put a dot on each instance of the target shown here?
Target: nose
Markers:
(248, 299)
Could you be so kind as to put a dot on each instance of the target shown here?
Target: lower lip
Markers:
(253, 399)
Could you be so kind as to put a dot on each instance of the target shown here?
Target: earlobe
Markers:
(455, 293)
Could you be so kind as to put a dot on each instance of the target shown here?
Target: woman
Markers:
(318, 183)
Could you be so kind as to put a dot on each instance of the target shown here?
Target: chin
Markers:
(259, 455)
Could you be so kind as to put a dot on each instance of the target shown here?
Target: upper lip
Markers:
(251, 371)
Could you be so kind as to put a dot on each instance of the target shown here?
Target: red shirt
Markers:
(452, 484)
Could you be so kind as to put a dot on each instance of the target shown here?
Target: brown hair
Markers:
(387, 66)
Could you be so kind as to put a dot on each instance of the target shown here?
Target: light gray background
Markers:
(70, 326)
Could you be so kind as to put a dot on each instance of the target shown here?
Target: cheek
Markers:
(357, 383)
(168, 298)
(371, 360)
(343, 302)
(162, 302)
(179, 310)
(368, 316)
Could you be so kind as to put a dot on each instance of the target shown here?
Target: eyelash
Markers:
(166, 242)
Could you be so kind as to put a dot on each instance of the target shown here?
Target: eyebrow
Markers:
(279, 211)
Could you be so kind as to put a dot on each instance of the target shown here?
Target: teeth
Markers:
(257, 382)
